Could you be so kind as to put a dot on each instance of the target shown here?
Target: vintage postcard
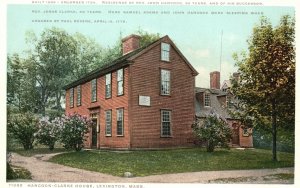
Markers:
(136, 93)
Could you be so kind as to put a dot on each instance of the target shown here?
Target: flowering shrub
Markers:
(73, 131)
(49, 131)
(213, 130)
(23, 128)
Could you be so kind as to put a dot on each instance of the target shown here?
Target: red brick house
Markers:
(144, 99)
(221, 100)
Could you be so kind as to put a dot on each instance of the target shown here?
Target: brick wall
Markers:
(103, 104)
(146, 121)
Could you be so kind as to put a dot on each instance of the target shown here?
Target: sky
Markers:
(198, 36)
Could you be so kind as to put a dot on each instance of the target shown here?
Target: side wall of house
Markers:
(100, 106)
(146, 120)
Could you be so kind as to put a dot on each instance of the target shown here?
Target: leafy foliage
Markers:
(213, 130)
(73, 131)
(23, 127)
(49, 131)
(266, 88)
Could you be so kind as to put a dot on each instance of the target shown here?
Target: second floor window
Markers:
(165, 52)
(94, 90)
(72, 97)
(206, 99)
(108, 85)
(165, 82)
(229, 102)
(79, 95)
(120, 79)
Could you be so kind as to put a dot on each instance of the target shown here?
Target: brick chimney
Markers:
(130, 43)
(215, 80)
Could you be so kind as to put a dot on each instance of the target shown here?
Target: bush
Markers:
(73, 131)
(49, 131)
(213, 130)
(23, 128)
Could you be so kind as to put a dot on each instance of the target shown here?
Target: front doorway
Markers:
(94, 133)
(235, 134)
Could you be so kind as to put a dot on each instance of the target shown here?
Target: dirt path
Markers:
(43, 171)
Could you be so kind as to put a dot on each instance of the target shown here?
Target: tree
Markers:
(266, 87)
(213, 130)
(73, 131)
(23, 127)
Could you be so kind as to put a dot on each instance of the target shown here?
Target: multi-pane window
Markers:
(94, 90)
(165, 82)
(165, 52)
(120, 124)
(108, 123)
(165, 123)
(72, 97)
(79, 95)
(206, 99)
(120, 79)
(108, 85)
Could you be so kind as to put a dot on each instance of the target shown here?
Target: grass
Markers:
(18, 172)
(144, 163)
(35, 151)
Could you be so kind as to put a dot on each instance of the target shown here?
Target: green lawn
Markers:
(143, 163)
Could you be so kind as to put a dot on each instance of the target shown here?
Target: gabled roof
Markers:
(215, 104)
(125, 60)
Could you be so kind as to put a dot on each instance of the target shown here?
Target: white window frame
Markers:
(94, 90)
(108, 122)
(120, 82)
(207, 100)
(71, 98)
(164, 120)
(78, 101)
(165, 51)
(108, 86)
(120, 118)
(165, 82)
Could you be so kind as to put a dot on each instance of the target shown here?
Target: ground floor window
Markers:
(120, 121)
(108, 122)
(165, 123)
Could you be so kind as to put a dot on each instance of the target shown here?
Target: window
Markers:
(245, 132)
(165, 82)
(206, 99)
(120, 124)
(108, 85)
(79, 95)
(120, 79)
(108, 123)
(94, 90)
(166, 123)
(229, 102)
(72, 97)
(165, 52)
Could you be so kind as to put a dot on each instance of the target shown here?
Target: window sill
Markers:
(120, 95)
(166, 136)
(107, 98)
(108, 135)
(93, 101)
(165, 95)
(165, 61)
(120, 135)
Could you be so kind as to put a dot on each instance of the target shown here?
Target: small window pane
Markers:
(207, 99)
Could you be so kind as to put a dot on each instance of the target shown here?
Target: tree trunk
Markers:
(274, 130)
